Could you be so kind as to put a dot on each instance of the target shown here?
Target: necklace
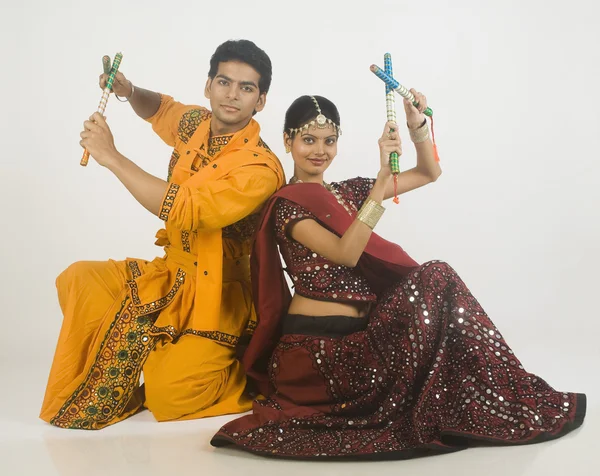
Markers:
(333, 191)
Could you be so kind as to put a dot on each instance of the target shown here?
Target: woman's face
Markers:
(314, 149)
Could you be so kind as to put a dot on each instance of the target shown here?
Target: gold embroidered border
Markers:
(215, 144)
(169, 330)
(168, 202)
(185, 240)
(251, 327)
(174, 159)
(190, 121)
(217, 336)
(134, 292)
(263, 144)
(114, 375)
(164, 301)
(214, 335)
(135, 269)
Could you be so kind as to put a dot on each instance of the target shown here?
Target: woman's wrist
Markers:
(384, 174)
(370, 213)
(419, 134)
(417, 124)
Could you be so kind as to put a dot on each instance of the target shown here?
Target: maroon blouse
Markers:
(315, 276)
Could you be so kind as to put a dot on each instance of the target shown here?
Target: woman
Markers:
(375, 356)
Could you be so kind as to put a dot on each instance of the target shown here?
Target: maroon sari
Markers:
(429, 374)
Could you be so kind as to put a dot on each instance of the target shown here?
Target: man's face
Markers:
(234, 96)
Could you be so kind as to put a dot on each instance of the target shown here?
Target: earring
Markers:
(287, 149)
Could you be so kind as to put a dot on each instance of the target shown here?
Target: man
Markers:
(177, 318)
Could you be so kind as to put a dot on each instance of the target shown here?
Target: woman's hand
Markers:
(388, 142)
(414, 115)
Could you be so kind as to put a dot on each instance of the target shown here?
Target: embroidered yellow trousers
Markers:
(105, 344)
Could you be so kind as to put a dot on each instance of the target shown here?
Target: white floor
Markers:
(141, 446)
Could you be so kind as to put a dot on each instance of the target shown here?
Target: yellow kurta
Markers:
(178, 317)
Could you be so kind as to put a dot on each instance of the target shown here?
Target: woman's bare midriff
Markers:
(312, 307)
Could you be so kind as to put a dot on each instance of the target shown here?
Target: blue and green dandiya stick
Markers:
(390, 105)
(386, 75)
(102, 107)
(396, 86)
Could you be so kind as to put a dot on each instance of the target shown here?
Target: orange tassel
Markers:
(435, 151)
(396, 199)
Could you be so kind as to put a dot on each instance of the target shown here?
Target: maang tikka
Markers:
(319, 122)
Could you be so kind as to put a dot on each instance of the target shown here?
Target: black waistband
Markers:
(323, 326)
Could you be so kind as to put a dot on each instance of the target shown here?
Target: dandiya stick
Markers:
(390, 104)
(102, 107)
(396, 86)
(106, 64)
(405, 93)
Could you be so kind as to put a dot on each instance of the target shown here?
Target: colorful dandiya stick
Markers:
(390, 104)
(394, 85)
(101, 108)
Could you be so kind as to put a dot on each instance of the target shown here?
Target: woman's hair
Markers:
(303, 110)
(247, 52)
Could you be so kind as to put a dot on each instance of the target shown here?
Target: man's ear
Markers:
(207, 88)
(262, 101)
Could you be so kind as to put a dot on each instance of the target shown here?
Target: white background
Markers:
(514, 87)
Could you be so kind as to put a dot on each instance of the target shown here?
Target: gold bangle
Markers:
(420, 134)
(370, 213)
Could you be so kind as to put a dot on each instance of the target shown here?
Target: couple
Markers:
(375, 356)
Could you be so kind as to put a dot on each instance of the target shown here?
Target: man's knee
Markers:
(102, 279)
(170, 395)
(188, 376)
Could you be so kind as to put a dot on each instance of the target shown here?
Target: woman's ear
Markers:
(287, 142)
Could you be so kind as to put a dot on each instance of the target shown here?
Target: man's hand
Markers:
(98, 140)
(121, 85)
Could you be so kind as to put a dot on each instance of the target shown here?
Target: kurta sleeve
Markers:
(174, 119)
(218, 203)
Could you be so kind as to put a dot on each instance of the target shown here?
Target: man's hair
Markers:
(247, 52)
